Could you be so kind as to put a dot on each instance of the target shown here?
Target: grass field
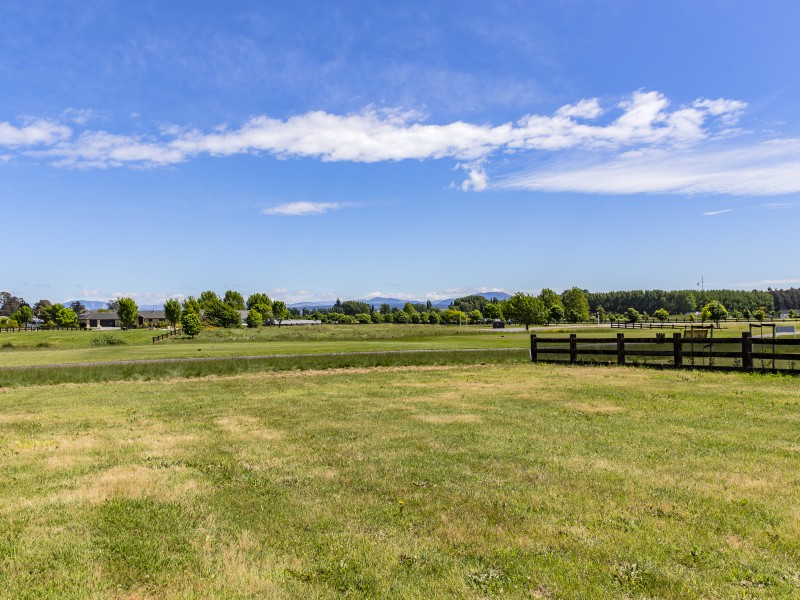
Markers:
(41, 348)
(63, 347)
(439, 481)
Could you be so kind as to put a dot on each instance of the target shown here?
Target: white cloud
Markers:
(713, 213)
(586, 109)
(100, 149)
(38, 132)
(763, 169)
(641, 145)
(477, 180)
(301, 209)
(374, 135)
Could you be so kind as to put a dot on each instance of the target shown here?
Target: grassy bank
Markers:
(222, 365)
(77, 347)
(439, 481)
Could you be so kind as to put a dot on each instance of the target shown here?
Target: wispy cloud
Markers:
(780, 205)
(302, 209)
(763, 169)
(766, 283)
(393, 134)
(640, 145)
(713, 213)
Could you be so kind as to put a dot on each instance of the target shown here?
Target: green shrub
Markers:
(108, 339)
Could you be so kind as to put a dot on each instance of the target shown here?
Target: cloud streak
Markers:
(303, 209)
(640, 145)
(764, 169)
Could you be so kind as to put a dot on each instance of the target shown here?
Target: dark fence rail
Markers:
(39, 328)
(745, 353)
(164, 336)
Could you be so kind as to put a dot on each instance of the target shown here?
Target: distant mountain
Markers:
(99, 305)
(312, 305)
(89, 304)
(398, 302)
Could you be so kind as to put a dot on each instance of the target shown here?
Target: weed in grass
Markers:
(489, 581)
(627, 574)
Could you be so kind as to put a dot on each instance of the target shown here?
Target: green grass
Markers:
(77, 347)
(451, 481)
(193, 367)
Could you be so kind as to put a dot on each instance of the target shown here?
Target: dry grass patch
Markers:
(598, 408)
(134, 482)
(447, 419)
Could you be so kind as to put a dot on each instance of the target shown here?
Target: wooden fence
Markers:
(164, 336)
(678, 351)
(647, 325)
(39, 328)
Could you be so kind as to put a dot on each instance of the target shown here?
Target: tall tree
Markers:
(493, 311)
(128, 312)
(576, 306)
(526, 309)
(234, 299)
(113, 304)
(78, 307)
(279, 311)
(24, 315)
(258, 298)
(354, 307)
(208, 300)
(172, 311)
(10, 303)
(41, 307)
(192, 305)
(65, 317)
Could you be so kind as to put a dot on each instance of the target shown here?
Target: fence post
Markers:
(677, 350)
(747, 350)
(620, 348)
(573, 348)
(534, 354)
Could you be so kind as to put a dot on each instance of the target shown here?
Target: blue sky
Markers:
(320, 150)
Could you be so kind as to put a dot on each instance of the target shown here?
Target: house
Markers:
(98, 319)
(152, 318)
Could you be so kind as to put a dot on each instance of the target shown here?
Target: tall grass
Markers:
(202, 367)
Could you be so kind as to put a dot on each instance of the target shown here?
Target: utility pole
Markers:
(701, 283)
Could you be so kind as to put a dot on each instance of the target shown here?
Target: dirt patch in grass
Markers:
(133, 481)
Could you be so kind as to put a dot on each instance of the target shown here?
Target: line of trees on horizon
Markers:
(573, 305)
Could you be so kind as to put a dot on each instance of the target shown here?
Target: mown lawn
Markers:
(448, 481)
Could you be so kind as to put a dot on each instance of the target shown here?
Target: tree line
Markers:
(689, 301)
(573, 305)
